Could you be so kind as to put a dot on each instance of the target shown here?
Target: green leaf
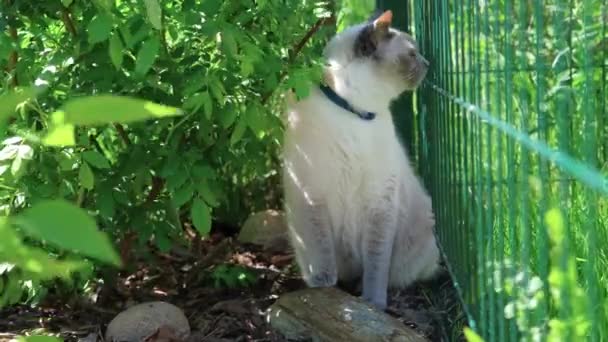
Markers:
(11, 291)
(227, 117)
(271, 82)
(238, 132)
(188, 5)
(177, 178)
(203, 171)
(163, 242)
(86, 177)
(65, 160)
(217, 89)
(126, 35)
(99, 28)
(170, 167)
(207, 104)
(9, 152)
(154, 13)
(472, 336)
(32, 260)
(25, 151)
(256, 120)
(121, 197)
(302, 88)
(60, 135)
(116, 49)
(10, 100)
(104, 5)
(103, 109)
(194, 102)
(66, 226)
(146, 56)
(182, 195)
(138, 36)
(66, 3)
(207, 194)
(105, 201)
(96, 159)
(246, 68)
(17, 167)
(201, 217)
(229, 43)
(211, 6)
(6, 46)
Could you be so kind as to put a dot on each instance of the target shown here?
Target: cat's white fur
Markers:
(352, 199)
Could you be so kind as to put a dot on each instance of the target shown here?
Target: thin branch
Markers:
(299, 46)
(13, 57)
(157, 186)
(316, 27)
(81, 196)
(93, 140)
(122, 133)
(157, 182)
(66, 17)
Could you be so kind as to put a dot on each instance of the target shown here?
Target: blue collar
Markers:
(342, 103)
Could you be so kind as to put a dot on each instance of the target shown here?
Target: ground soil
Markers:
(215, 312)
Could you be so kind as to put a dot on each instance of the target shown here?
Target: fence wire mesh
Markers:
(512, 140)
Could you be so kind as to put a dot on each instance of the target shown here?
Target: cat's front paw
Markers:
(378, 301)
(324, 278)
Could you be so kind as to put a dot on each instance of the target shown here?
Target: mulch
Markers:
(215, 313)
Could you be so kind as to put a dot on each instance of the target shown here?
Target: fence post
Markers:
(402, 109)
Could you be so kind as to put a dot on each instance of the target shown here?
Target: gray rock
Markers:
(266, 228)
(92, 337)
(142, 320)
(328, 315)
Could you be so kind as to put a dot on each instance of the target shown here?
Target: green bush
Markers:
(140, 117)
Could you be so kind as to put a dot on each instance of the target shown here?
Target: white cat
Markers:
(356, 210)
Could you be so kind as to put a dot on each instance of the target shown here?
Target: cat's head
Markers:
(378, 54)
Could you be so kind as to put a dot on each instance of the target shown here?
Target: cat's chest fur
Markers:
(341, 159)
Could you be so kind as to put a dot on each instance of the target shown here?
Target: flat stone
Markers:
(328, 314)
(143, 320)
(266, 228)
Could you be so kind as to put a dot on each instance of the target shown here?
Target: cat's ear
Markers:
(383, 22)
(377, 13)
(372, 34)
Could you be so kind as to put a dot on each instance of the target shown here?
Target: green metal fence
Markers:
(512, 141)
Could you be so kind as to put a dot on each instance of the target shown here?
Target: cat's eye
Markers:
(413, 54)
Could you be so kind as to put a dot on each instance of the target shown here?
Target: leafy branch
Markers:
(299, 46)
(214, 165)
